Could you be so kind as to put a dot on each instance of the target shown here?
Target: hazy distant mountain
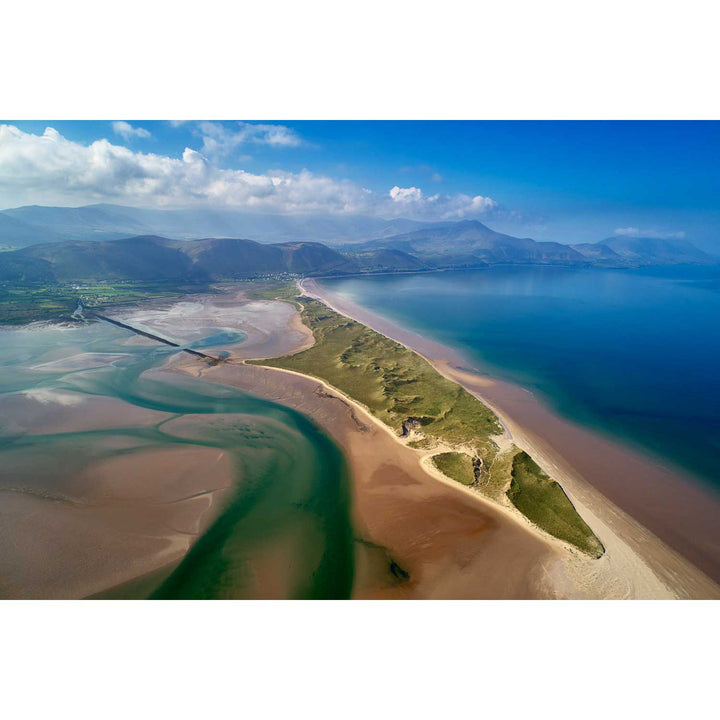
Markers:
(107, 222)
(646, 251)
(16, 233)
(469, 243)
(599, 254)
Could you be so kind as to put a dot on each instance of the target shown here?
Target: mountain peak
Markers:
(470, 224)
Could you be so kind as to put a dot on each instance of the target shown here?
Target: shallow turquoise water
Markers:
(222, 338)
(635, 354)
(288, 473)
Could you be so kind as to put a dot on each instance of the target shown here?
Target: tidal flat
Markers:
(112, 470)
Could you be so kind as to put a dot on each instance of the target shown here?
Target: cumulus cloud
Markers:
(50, 169)
(444, 207)
(406, 195)
(659, 234)
(219, 139)
(128, 132)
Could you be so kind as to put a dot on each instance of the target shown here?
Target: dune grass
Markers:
(405, 392)
(544, 502)
(457, 466)
(394, 383)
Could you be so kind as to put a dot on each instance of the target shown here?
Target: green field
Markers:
(457, 466)
(544, 502)
(406, 393)
(24, 303)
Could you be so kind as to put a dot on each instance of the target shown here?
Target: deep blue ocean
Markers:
(632, 353)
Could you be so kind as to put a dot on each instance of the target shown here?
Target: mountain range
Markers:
(629, 250)
(465, 244)
(469, 243)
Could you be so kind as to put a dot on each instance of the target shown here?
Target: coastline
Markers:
(593, 471)
(409, 519)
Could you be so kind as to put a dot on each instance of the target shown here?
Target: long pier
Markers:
(137, 331)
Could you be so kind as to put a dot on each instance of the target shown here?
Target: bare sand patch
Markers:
(49, 411)
(117, 519)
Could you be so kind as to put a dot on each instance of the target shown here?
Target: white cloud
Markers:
(406, 195)
(128, 132)
(50, 169)
(637, 232)
(443, 207)
(219, 139)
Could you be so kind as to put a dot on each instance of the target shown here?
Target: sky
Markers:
(550, 180)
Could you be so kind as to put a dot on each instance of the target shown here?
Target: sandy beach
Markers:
(659, 528)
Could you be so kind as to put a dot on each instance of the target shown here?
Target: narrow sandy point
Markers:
(618, 492)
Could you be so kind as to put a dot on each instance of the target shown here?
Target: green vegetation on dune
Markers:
(397, 385)
(544, 502)
(457, 466)
(405, 392)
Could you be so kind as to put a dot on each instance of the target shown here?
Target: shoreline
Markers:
(679, 545)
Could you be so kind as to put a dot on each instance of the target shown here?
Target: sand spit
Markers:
(415, 537)
(420, 535)
(649, 518)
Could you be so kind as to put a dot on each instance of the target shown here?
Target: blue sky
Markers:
(569, 181)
